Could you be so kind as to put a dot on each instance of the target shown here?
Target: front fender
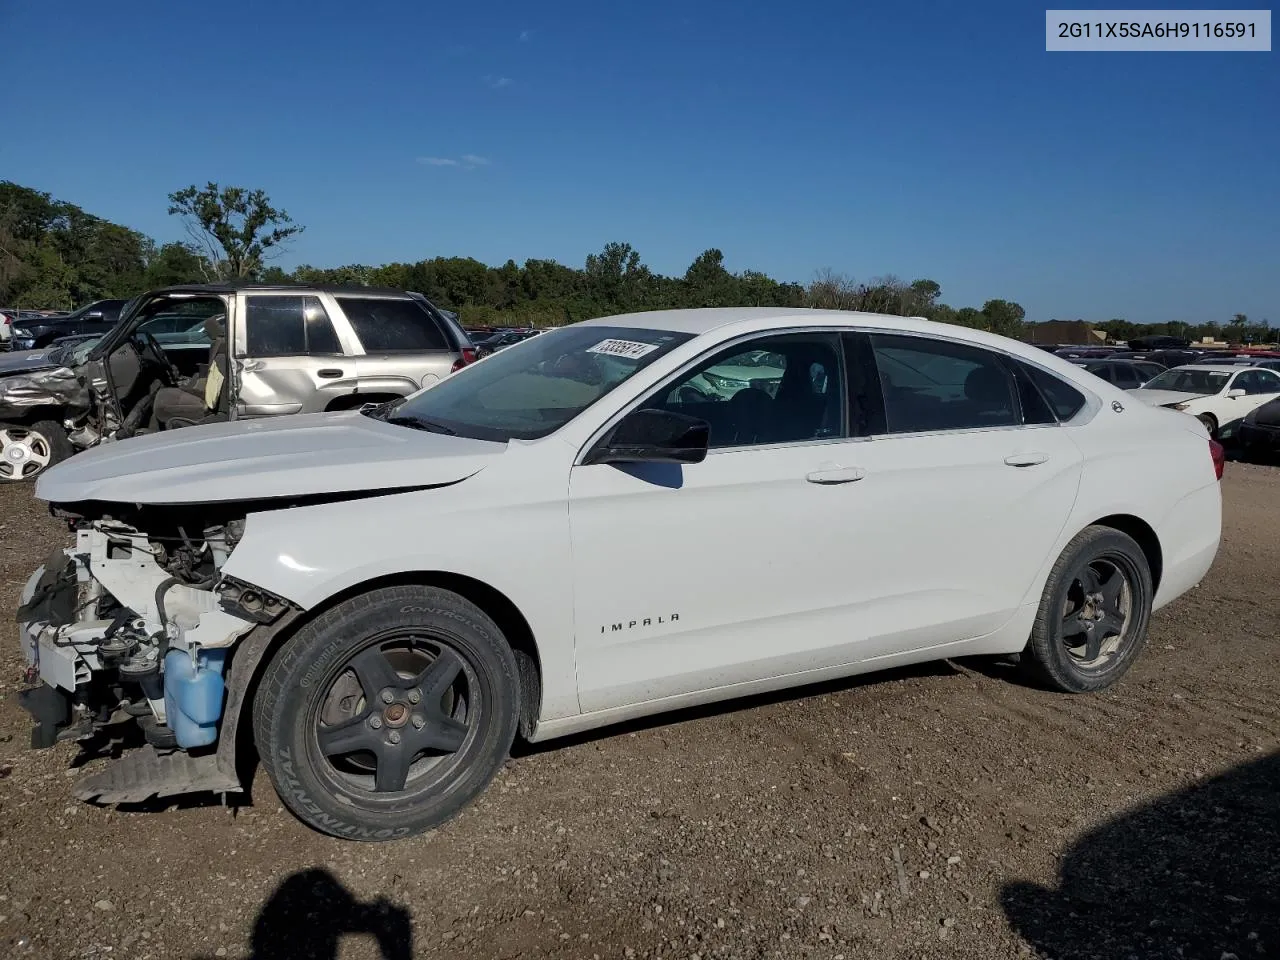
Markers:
(310, 554)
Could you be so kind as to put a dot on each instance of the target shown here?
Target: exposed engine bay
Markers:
(130, 627)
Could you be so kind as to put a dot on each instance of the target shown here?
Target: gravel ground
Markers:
(943, 811)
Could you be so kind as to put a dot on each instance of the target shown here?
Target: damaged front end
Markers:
(131, 630)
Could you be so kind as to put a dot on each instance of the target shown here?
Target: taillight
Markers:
(468, 356)
(1219, 457)
(7, 319)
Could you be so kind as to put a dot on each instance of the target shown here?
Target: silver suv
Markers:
(295, 349)
(199, 353)
(303, 350)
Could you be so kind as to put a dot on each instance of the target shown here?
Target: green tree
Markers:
(235, 229)
(173, 264)
(1004, 317)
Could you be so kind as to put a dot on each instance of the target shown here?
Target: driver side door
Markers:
(689, 577)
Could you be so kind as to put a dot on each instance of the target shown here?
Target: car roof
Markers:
(220, 289)
(702, 320)
(1219, 367)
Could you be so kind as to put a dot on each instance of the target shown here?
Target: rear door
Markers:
(289, 357)
(400, 347)
(967, 482)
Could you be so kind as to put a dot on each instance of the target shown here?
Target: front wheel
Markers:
(388, 714)
(28, 450)
(1210, 423)
(1093, 615)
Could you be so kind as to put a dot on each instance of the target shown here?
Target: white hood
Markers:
(284, 456)
(1162, 398)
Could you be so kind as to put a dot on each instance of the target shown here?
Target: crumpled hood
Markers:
(1161, 398)
(288, 456)
(42, 385)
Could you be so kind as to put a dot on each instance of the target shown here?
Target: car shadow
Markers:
(1193, 874)
(310, 912)
(934, 668)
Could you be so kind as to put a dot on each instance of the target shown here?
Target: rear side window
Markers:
(939, 385)
(288, 327)
(1065, 399)
(387, 326)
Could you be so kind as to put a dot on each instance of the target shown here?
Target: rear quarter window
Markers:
(392, 326)
(1065, 399)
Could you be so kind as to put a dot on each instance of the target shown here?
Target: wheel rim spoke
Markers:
(1110, 587)
(438, 678)
(1089, 579)
(375, 673)
(1111, 625)
(348, 737)
(442, 733)
(393, 767)
(1092, 643)
(1072, 626)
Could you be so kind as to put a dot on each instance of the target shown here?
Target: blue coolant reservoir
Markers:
(193, 696)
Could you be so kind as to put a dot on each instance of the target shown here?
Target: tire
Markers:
(351, 764)
(1059, 653)
(1210, 423)
(29, 449)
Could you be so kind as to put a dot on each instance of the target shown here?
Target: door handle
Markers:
(329, 373)
(1028, 459)
(831, 475)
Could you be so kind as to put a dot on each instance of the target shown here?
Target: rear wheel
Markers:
(28, 450)
(1093, 615)
(388, 714)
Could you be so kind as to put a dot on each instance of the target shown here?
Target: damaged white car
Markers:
(578, 531)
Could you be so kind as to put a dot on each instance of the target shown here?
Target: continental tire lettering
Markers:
(328, 820)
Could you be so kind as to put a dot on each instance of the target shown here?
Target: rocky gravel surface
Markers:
(942, 811)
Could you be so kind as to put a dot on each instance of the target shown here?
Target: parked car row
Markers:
(35, 330)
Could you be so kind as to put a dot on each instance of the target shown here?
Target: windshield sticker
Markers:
(631, 349)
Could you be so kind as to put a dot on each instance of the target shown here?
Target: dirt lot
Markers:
(946, 811)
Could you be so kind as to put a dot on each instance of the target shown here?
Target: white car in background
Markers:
(1219, 395)
(549, 541)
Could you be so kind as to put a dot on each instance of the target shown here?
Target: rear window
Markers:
(392, 326)
(1065, 399)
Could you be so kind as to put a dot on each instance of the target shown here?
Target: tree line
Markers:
(54, 254)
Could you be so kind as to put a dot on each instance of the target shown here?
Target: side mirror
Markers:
(654, 436)
(93, 315)
(1233, 394)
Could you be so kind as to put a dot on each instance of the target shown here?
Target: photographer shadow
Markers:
(310, 912)
(1196, 873)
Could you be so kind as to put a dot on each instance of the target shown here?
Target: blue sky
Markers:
(925, 140)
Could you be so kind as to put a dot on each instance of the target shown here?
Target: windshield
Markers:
(1183, 380)
(534, 387)
(73, 351)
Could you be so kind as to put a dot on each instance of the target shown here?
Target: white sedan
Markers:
(564, 536)
(1220, 395)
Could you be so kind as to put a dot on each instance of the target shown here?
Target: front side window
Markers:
(1186, 380)
(288, 326)
(781, 389)
(392, 326)
(1257, 381)
(933, 385)
(532, 389)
